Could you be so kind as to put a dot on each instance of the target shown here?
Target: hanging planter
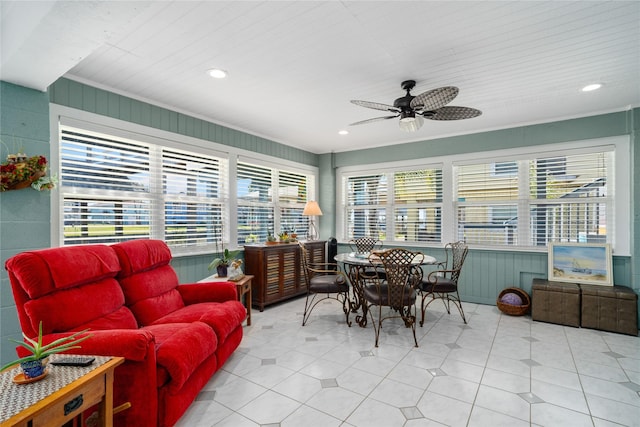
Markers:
(20, 171)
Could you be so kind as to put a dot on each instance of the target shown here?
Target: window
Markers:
(548, 198)
(413, 198)
(194, 196)
(417, 197)
(115, 189)
(262, 210)
(520, 198)
(365, 204)
(292, 197)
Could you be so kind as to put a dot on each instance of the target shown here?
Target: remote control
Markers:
(74, 361)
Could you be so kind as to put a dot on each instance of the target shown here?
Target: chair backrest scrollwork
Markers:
(458, 252)
(402, 273)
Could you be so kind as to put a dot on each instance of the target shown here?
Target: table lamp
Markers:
(312, 209)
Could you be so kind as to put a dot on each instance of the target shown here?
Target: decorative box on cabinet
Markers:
(277, 270)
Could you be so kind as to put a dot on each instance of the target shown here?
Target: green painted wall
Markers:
(87, 98)
(24, 214)
(327, 196)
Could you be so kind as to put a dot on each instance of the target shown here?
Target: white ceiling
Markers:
(294, 65)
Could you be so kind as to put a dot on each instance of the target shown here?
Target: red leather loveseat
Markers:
(173, 337)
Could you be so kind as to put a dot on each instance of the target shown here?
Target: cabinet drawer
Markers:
(73, 404)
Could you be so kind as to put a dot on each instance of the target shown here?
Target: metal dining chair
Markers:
(324, 281)
(364, 244)
(396, 291)
(443, 283)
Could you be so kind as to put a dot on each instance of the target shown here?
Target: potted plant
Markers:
(34, 365)
(271, 239)
(284, 237)
(222, 263)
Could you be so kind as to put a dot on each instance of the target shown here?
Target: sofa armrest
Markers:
(132, 344)
(194, 293)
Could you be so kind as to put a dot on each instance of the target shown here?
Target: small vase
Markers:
(33, 368)
(222, 270)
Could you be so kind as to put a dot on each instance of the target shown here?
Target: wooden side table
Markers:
(243, 287)
(82, 388)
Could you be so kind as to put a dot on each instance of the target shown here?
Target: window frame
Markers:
(620, 177)
(123, 129)
(391, 206)
(277, 203)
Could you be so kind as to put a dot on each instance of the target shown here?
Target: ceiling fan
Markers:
(412, 110)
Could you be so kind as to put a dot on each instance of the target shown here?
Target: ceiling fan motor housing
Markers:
(404, 103)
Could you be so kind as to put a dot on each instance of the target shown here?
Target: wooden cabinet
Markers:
(277, 270)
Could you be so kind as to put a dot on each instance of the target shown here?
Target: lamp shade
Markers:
(312, 209)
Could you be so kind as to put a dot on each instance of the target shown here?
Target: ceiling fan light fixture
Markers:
(408, 116)
(410, 122)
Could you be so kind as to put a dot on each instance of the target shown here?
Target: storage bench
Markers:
(610, 308)
(555, 302)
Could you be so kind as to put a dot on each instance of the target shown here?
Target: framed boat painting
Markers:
(588, 263)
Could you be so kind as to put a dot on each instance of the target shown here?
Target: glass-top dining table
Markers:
(358, 267)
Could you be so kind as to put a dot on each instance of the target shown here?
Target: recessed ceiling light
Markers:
(217, 73)
(343, 132)
(589, 88)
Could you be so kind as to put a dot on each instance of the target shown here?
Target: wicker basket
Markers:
(514, 310)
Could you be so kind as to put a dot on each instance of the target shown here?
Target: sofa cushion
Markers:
(98, 305)
(148, 281)
(181, 348)
(224, 317)
(141, 255)
(48, 270)
(122, 318)
(152, 294)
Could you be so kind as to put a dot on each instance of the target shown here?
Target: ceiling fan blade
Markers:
(377, 119)
(434, 99)
(375, 105)
(452, 113)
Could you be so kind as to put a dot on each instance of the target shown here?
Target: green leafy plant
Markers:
(227, 258)
(284, 237)
(40, 351)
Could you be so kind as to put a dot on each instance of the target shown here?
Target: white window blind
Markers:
(366, 206)
(115, 189)
(105, 186)
(292, 197)
(262, 210)
(541, 199)
(412, 197)
(417, 199)
(484, 195)
(570, 197)
(195, 194)
(255, 203)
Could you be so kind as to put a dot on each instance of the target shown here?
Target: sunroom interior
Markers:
(548, 164)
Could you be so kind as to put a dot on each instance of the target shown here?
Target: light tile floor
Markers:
(496, 371)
